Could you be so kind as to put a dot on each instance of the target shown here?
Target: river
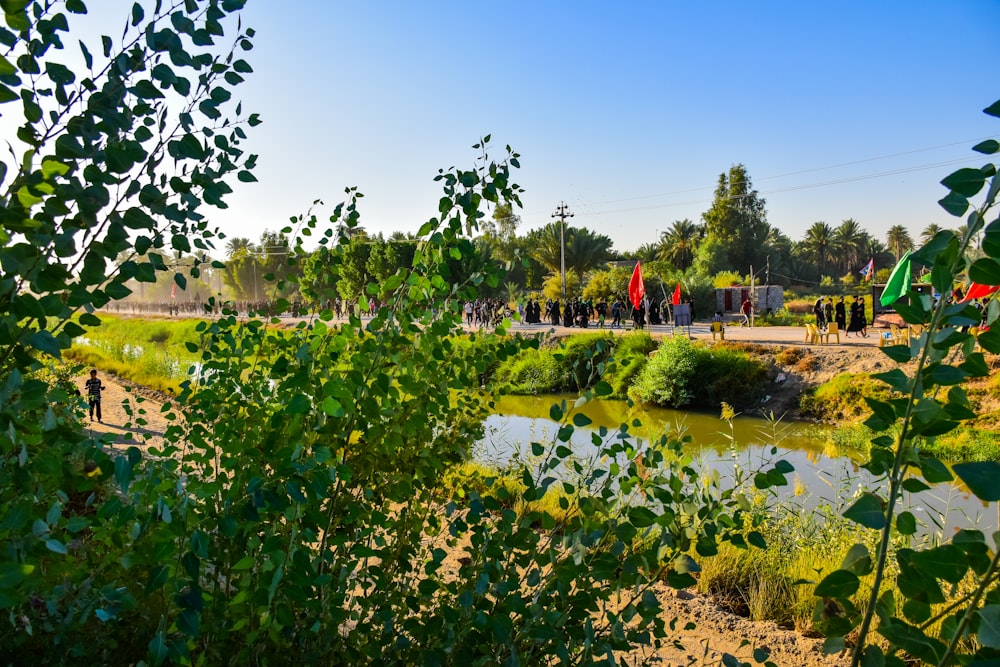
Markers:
(823, 473)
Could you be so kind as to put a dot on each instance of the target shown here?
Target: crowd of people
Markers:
(611, 312)
(827, 311)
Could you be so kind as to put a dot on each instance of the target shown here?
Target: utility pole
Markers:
(562, 212)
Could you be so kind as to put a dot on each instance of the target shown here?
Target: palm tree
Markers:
(848, 245)
(236, 244)
(585, 250)
(899, 241)
(818, 244)
(930, 231)
(679, 243)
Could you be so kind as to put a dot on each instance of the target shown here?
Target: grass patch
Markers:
(842, 399)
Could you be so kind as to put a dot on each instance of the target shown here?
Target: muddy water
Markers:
(823, 473)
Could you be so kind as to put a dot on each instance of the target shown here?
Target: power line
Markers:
(803, 171)
(792, 188)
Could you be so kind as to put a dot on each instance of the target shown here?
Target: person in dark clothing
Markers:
(94, 388)
(555, 313)
(858, 323)
(841, 314)
(819, 313)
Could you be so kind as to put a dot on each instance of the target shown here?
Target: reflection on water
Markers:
(823, 473)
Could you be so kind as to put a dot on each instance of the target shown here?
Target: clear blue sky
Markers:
(628, 112)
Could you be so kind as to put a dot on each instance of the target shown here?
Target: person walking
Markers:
(819, 313)
(746, 309)
(94, 388)
(841, 314)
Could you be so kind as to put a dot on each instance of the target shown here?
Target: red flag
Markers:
(677, 295)
(173, 291)
(636, 288)
(977, 291)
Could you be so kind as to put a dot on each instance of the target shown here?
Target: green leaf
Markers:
(987, 147)
(955, 204)
(896, 379)
(555, 413)
(857, 561)
(898, 353)
(158, 650)
(934, 471)
(300, 404)
(641, 517)
(332, 407)
(981, 478)
(993, 109)
(989, 626)
(966, 182)
(867, 511)
(985, 271)
(838, 584)
(581, 420)
(55, 546)
(906, 523)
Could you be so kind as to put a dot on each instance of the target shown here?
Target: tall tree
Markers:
(930, 231)
(899, 241)
(679, 243)
(738, 219)
(818, 244)
(236, 244)
(848, 245)
(585, 250)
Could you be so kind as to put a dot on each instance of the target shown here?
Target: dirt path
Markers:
(144, 404)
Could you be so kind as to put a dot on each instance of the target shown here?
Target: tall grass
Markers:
(152, 353)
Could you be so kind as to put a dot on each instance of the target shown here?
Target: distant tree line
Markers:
(732, 237)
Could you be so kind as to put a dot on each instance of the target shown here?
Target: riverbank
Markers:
(703, 629)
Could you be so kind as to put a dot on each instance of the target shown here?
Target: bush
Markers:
(630, 357)
(666, 379)
(729, 376)
(682, 373)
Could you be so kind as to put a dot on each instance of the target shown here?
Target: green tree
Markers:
(848, 246)
(585, 250)
(679, 244)
(353, 272)
(737, 219)
(899, 241)
(930, 231)
(818, 244)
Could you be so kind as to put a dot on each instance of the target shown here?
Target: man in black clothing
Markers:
(94, 388)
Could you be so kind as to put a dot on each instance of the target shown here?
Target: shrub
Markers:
(727, 375)
(789, 355)
(666, 379)
(530, 372)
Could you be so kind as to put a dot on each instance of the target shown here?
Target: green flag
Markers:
(899, 281)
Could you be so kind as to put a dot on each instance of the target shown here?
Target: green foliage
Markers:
(738, 220)
(727, 279)
(630, 357)
(943, 607)
(682, 373)
(575, 365)
(668, 377)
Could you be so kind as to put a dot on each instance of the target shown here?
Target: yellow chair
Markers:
(832, 330)
(894, 336)
(718, 329)
(812, 334)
